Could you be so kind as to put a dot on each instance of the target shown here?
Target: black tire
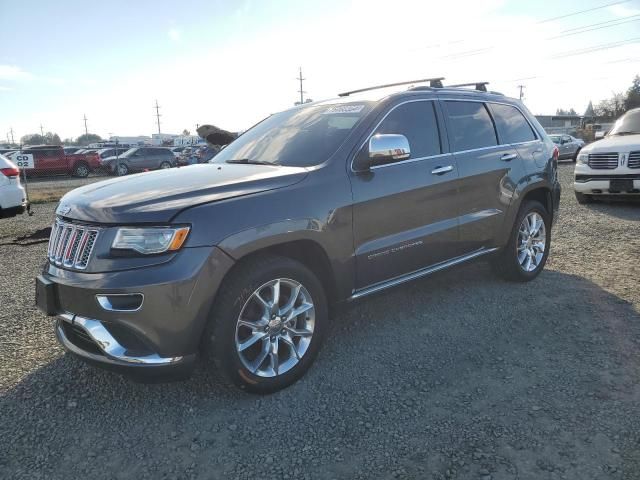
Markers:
(121, 169)
(574, 159)
(506, 263)
(583, 198)
(81, 170)
(165, 165)
(219, 341)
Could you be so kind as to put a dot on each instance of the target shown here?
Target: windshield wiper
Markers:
(248, 161)
(626, 133)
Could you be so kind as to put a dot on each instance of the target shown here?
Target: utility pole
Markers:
(521, 92)
(302, 92)
(12, 141)
(158, 117)
(41, 130)
(86, 130)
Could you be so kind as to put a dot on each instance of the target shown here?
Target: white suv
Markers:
(611, 166)
(12, 197)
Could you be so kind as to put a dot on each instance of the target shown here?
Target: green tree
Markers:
(186, 132)
(633, 94)
(32, 139)
(88, 138)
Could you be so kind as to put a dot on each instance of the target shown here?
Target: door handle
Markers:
(507, 157)
(442, 170)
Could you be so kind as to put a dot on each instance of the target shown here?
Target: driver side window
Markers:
(417, 121)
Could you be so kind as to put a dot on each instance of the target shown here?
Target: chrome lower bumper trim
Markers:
(114, 353)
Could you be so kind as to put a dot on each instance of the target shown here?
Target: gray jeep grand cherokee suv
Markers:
(240, 259)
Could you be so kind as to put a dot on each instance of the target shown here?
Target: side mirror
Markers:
(383, 149)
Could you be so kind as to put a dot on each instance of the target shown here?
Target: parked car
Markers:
(13, 200)
(568, 146)
(611, 166)
(51, 160)
(139, 159)
(71, 150)
(177, 151)
(105, 153)
(240, 258)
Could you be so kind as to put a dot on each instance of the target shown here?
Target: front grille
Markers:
(71, 245)
(603, 161)
(634, 160)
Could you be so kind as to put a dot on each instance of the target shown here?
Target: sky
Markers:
(233, 63)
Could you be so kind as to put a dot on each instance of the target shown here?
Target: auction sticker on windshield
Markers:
(343, 109)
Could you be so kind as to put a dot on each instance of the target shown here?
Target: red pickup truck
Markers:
(49, 159)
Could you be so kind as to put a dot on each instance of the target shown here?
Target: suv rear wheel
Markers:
(165, 165)
(267, 324)
(526, 254)
(121, 169)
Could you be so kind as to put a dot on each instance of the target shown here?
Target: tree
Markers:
(633, 94)
(186, 132)
(49, 138)
(88, 138)
(612, 107)
(562, 111)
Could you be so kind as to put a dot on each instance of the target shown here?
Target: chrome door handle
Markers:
(442, 170)
(507, 157)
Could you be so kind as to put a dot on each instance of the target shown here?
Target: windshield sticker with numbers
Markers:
(343, 109)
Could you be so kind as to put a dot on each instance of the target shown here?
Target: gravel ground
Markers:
(61, 182)
(459, 375)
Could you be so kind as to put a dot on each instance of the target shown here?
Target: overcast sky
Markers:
(232, 63)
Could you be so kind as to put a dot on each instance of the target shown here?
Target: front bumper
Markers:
(164, 330)
(600, 183)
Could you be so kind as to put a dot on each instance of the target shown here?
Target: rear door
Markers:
(484, 166)
(404, 216)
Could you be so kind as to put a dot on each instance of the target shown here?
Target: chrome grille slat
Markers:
(634, 160)
(71, 245)
(603, 161)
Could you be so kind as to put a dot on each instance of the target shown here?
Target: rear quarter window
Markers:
(470, 125)
(511, 124)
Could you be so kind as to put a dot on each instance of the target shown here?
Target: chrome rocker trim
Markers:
(419, 273)
(114, 353)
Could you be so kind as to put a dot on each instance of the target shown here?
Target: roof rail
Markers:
(480, 86)
(435, 82)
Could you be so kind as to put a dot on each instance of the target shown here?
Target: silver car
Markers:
(140, 159)
(568, 146)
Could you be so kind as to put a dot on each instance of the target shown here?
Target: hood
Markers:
(156, 197)
(617, 143)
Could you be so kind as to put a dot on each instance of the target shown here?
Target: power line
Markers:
(599, 23)
(583, 11)
(595, 28)
(157, 107)
(596, 48)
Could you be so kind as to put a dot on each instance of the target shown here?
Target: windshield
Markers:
(300, 137)
(627, 124)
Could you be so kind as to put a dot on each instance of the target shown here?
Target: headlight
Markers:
(583, 158)
(150, 240)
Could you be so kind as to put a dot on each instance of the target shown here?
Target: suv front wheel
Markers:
(267, 324)
(524, 257)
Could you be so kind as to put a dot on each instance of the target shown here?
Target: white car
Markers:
(12, 197)
(611, 166)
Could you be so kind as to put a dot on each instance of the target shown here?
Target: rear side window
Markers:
(471, 126)
(511, 124)
(416, 121)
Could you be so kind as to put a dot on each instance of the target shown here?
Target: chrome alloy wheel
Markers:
(532, 241)
(275, 327)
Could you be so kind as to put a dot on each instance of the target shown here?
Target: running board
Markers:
(419, 273)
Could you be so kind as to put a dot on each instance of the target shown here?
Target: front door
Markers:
(404, 216)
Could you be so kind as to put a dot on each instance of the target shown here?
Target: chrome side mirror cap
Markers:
(388, 148)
